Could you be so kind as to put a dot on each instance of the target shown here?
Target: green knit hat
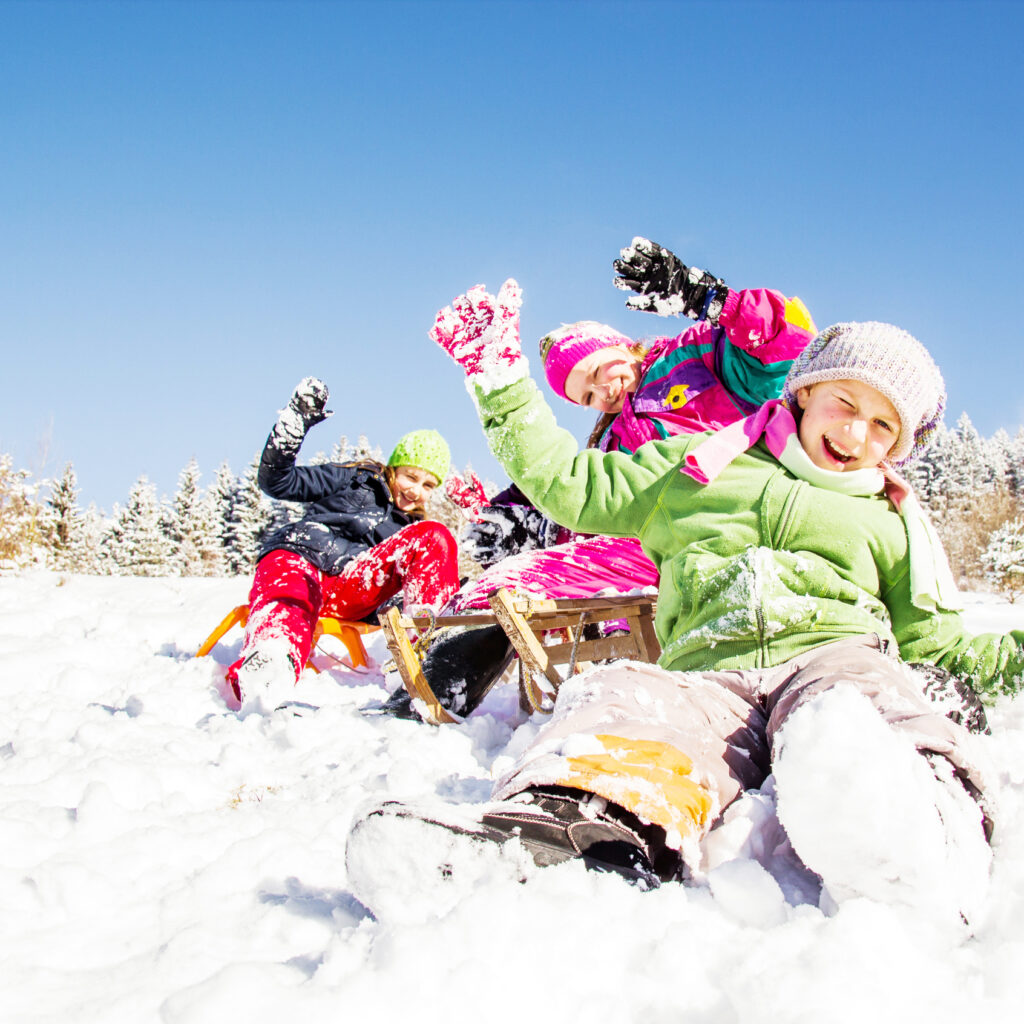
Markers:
(424, 449)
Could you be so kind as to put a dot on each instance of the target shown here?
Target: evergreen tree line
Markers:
(973, 488)
(216, 531)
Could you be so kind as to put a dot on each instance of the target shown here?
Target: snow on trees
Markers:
(1003, 558)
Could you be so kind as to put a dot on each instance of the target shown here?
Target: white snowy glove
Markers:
(480, 332)
(305, 409)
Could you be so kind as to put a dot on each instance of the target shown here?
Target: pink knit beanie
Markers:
(563, 348)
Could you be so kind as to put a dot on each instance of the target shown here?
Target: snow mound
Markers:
(165, 861)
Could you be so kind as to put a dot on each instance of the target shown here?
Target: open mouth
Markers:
(835, 451)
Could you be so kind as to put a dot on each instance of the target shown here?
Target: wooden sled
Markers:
(546, 634)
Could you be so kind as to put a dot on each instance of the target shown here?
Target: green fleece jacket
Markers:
(756, 567)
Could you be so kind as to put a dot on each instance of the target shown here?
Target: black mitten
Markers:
(305, 409)
(503, 530)
(309, 401)
(665, 285)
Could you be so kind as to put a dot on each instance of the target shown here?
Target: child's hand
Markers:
(480, 332)
(665, 285)
(503, 530)
(468, 494)
(309, 401)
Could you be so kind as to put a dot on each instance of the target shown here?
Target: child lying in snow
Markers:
(362, 540)
(794, 564)
(716, 372)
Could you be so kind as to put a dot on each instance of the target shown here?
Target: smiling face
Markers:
(846, 425)
(412, 487)
(602, 380)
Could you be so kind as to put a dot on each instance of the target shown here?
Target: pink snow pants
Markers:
(289, 593)
(580, 568)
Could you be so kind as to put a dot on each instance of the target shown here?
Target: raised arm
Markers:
(279, 477)
(587, 491)
(764, 330)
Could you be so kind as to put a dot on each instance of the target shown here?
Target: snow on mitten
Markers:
(468, 494)
(665, 285)
(503, 530)
(480, 332)
(305, 409)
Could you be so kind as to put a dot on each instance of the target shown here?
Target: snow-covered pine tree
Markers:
(1015, 465)
(193, 528)
(255, 516)
(137, 543)
(223, 496)
(963, 480)
(342, 450)
(64, 520)
(362, 450)
(87, 548)
(1003, 558)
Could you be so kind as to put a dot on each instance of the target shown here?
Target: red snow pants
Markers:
(289, 593)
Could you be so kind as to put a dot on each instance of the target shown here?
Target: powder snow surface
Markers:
(163, 860)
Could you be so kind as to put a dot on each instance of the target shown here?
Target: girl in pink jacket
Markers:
(716, 372)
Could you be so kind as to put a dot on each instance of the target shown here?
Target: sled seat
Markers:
(547, 634)
(349, 633)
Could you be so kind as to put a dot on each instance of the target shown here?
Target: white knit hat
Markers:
(889, 360)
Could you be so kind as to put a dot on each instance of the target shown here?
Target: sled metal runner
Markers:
(547, 634)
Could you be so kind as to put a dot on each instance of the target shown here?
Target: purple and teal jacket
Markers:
(710, 376)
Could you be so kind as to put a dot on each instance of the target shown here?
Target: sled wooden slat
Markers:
(409, 668)
(523, 638)
(593, 650)
(545, 634)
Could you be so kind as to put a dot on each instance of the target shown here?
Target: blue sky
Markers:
(204, 202)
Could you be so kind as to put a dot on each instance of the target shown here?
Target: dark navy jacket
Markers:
(351, 509)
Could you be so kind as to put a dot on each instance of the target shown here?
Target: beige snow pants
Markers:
(676, 748)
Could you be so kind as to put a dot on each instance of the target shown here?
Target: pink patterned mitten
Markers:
(468, 494)
(480, 332)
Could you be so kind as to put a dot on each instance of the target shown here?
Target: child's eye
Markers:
(885, 426)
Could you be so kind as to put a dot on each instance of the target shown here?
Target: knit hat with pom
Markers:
(889, 360)
(424, 449)
(563, 348)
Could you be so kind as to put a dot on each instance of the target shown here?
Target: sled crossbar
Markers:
(546, 634)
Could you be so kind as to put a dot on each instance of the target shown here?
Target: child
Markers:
(796, 570)
(714, 373)
(362, 541)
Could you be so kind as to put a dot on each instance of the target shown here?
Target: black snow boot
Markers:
(460, 667)
(956, 698)
(554, 824)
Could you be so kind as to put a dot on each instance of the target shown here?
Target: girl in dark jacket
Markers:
(362, 540)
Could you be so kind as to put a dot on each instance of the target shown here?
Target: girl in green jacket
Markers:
(798, 574)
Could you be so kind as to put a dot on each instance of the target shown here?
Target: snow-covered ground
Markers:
(163, 860)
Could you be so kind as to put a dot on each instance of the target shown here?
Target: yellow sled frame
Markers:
(349, 633)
